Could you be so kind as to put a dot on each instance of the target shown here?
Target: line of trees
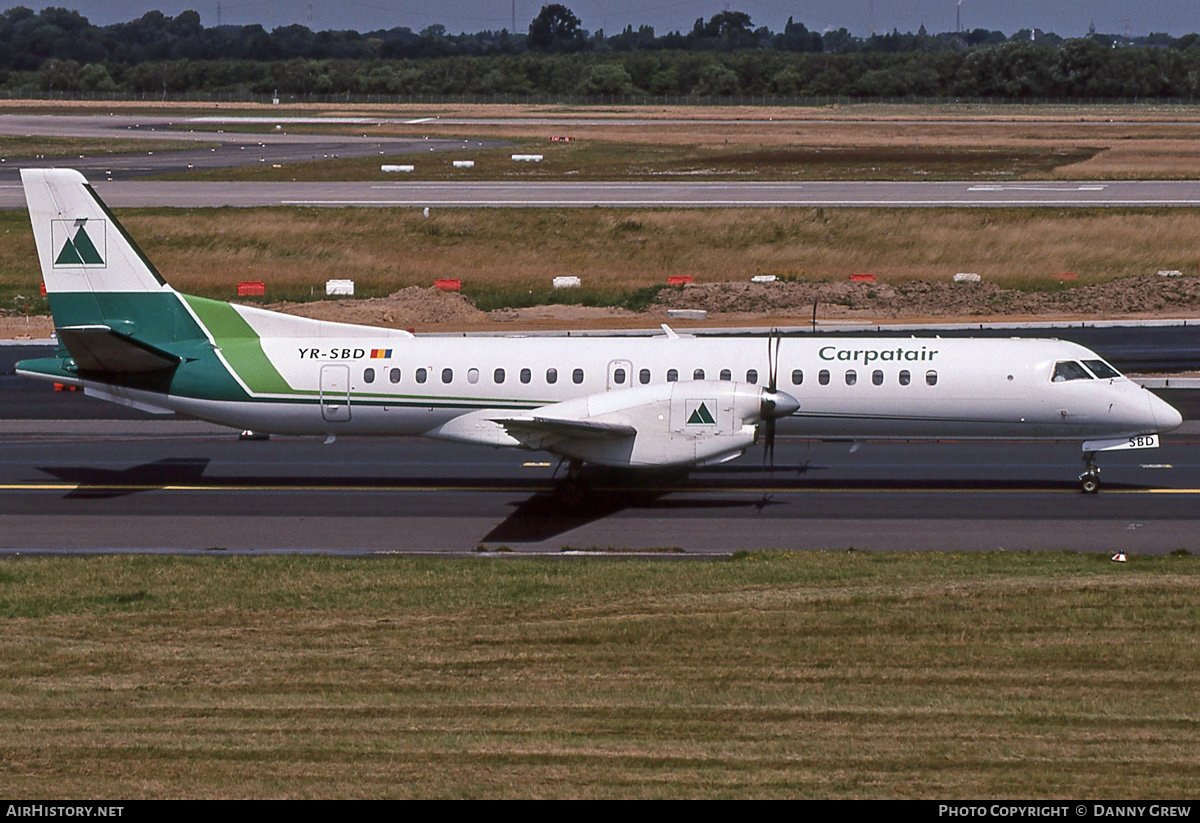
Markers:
(57, 50)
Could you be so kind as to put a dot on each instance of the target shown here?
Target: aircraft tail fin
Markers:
(81, 246)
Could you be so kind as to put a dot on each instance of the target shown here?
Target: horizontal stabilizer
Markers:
(100, 349)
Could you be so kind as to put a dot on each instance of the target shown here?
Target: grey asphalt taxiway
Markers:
(661, 194)
(193, 151)
(115, 489)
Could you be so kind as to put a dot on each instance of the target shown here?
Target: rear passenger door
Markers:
(335, 392)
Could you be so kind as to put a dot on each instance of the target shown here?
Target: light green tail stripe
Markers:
(240, 346)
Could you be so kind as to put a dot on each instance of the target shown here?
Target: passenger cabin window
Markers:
(447, 375)
(752, 376)
(1065, 370)
(698, 374)
(1101, 369)
(619, 377)
(851, 377)
(672, 375)
(726, 374)
(577, 376)
(472, 375)
(422, 375)
(931, 378)
(498, 376)
(551, 375)
(877, 377)
(394, 375)
(526, 375)
(823, 377)
(644, 376)
(369, 375)
(797, 377)
(905, 377)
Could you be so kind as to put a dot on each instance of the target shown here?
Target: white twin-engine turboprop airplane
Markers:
(672, 401)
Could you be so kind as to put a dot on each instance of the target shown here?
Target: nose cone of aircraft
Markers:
(1166, 416)
(778, 404)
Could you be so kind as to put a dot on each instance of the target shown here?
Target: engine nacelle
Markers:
(677, 424)
(665, 424)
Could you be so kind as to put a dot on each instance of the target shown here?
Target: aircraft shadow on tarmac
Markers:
(543, 517)
(93, 483)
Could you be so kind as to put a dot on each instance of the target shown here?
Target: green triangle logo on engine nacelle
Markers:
(701, 416)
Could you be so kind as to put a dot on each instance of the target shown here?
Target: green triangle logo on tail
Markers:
(78, 250)
(701, 416)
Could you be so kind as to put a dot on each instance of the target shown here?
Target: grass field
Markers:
(608, 160)
(15, 148)
(509, 256)
(824, 674)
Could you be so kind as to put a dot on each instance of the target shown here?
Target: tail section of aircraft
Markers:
(119, 322)
(96, 276)
(81, 246)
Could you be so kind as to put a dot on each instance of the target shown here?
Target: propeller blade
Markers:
(772, 386)
(768, 438)
(773, 361)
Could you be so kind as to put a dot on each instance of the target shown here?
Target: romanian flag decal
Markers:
(381, 353)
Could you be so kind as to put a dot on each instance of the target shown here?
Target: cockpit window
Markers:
(1065, 370)
(1101, 369)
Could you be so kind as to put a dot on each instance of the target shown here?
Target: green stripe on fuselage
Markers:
(240, 346)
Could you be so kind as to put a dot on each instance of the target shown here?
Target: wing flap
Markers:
(524, 428)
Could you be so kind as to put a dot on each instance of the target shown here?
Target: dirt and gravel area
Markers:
(428, 309)
(748, 304)
(1144, 295)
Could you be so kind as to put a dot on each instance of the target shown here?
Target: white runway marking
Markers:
(1036, 188)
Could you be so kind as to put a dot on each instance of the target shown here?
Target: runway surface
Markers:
(664, 194)
(202, 493)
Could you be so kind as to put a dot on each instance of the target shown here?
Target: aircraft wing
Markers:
(682, 423)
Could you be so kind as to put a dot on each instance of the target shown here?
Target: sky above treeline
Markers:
(1068, 18)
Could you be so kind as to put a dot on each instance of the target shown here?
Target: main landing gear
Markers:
(1089, 480)
(573, 490)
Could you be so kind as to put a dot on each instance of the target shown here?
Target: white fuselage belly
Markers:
(965, 388)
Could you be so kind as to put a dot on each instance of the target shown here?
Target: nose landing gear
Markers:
(1089, 480)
